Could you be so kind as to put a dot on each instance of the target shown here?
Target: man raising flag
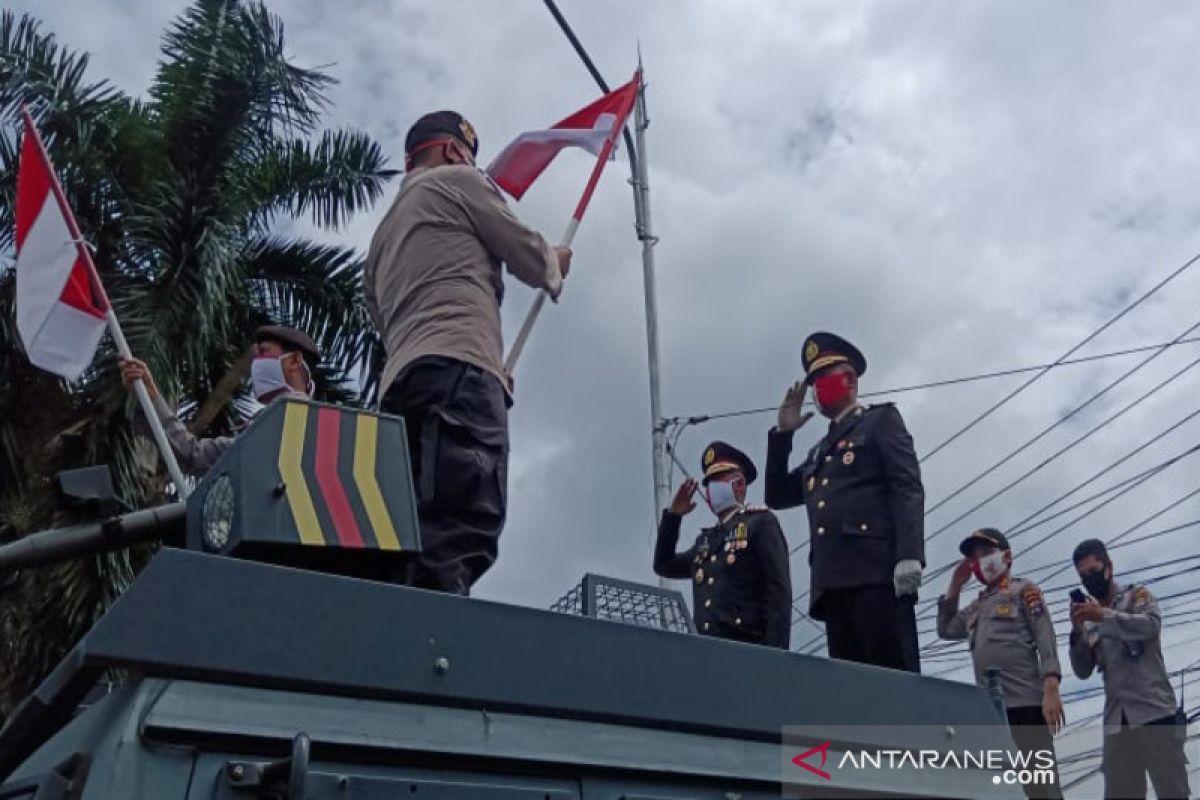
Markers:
(434, 285)
(62, 309)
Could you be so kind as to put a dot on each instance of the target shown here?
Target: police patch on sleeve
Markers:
(1141, 598)
(1034, 601)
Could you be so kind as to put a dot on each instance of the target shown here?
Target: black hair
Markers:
(1091, 547)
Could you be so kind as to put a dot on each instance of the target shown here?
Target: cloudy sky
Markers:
(957, 188)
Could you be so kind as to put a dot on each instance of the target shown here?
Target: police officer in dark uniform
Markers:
(741, 581)
(862, 489)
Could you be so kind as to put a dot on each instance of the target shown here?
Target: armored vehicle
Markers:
(263, 661)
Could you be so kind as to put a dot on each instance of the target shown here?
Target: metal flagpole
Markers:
(641, 208)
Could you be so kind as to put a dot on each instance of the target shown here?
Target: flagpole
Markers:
(114, 326)
(641, 209)
(536, 308)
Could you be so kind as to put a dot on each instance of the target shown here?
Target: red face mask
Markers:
(832, 391)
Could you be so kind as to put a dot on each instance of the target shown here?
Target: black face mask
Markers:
(1096, 583)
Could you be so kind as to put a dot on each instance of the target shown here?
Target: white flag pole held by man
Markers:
(594, 128)
(62, 308)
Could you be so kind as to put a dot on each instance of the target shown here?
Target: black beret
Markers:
(289, 339)
(987, 536)
(823, 350)
(720, 457)
(439, 124)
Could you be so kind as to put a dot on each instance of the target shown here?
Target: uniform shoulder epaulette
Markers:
(880, 406)
(756, 509)
(492, 183)
(1032, 595)
(1139, 593)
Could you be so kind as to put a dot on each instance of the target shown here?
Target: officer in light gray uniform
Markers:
(1118, 632)
(1008, 628)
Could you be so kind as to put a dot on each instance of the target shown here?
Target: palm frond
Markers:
(341, 175)
(37, 71)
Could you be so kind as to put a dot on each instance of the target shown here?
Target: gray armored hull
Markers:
(251, 680)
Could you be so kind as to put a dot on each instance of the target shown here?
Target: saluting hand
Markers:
(683, 502)
(132, 369)
(959, 578)
(791, 413)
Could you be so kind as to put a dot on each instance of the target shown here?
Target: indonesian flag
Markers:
(592, 127)
(61, 307)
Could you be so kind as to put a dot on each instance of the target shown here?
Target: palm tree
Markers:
(180, 195)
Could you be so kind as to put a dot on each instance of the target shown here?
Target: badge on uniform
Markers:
(841, 445)
(1004, 611)
(729, 559)
(1141, 598)
(848, 458)
(699, 575)
(1034, 601)
(740, 531)
(812, 482)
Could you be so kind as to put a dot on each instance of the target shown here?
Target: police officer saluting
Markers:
(1010, 630)
(1117, 630)
(862, 488)
(741, 584)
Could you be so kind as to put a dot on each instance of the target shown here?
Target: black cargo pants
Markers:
(456, 415)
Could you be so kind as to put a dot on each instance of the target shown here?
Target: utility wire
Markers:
(1004, 373)
(1061, 451)
(1124, 489)
(1112, 321)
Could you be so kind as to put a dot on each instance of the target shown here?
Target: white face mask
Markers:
(992, 566)
(266, 376)
(721, 497)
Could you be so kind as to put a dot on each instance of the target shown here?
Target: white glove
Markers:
(907, 577)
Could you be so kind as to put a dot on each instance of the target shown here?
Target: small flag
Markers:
(61, 307)
(523, 160)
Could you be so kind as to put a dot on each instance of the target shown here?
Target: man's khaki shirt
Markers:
(1008, 628)
(433, 276)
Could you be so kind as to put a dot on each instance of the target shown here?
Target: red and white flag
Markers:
(61, 307)
(591, 127)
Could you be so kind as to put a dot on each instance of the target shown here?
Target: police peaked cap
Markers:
(720, 458)
(823, 350)
(438, 125)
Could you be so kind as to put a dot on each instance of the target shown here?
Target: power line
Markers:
(1124, 488)
(1047, 461)
(992, 408)
(1169, 507)
(1004, 373)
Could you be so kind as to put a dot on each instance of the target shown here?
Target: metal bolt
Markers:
(950, 731)
(237, 771)
(441, 665)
